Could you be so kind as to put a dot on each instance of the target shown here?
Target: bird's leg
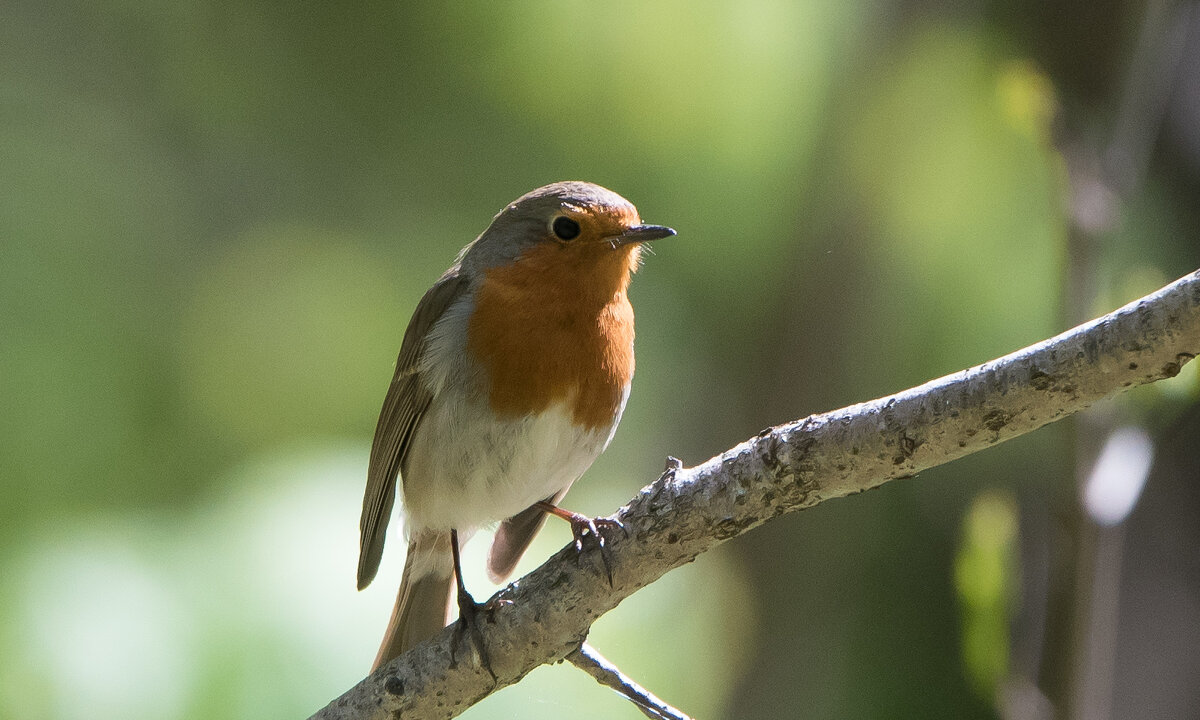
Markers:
(468, 613)
(583, 526)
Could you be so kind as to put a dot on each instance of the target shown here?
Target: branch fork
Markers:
(545, 616)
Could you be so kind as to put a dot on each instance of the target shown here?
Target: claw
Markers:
(583, 526)
(469, 613)
(592, 526)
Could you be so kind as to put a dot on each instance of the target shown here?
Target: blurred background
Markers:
(216, 218)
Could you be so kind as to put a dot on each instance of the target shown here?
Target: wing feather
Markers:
(406, 401)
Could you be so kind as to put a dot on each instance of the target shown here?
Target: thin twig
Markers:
(587, 659)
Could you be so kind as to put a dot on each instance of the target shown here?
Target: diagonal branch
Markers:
(604, 672)
(547, 614)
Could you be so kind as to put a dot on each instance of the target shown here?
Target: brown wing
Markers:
(405, 403)
(513, 538)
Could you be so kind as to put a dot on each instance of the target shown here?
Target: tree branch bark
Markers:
(546, 615)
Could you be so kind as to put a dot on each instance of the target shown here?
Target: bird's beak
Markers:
(642, 233)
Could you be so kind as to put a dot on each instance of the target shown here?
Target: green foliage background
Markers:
(216, 217)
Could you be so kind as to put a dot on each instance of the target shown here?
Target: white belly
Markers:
(466, 470)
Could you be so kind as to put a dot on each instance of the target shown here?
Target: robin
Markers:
(511, 379)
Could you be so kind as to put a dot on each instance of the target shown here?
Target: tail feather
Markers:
(423, 603)
(513, 537)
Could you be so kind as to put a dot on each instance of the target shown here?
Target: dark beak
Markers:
(642, 233)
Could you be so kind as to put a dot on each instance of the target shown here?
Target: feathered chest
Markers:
(556, 335)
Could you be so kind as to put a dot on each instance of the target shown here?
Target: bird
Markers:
(511, 380)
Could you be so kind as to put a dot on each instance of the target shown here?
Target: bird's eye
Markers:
(565, 228)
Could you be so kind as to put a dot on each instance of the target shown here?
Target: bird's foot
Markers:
(470, 615)
(583, 527)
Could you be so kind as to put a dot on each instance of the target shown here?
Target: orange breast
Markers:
(555, 326)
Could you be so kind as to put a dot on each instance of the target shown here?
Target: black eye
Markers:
(565, 228)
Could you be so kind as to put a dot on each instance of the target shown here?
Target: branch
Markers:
(604, 672)
(546, 615)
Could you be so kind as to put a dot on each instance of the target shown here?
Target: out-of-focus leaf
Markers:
(985, 575)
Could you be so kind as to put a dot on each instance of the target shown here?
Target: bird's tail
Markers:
(423, 603)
